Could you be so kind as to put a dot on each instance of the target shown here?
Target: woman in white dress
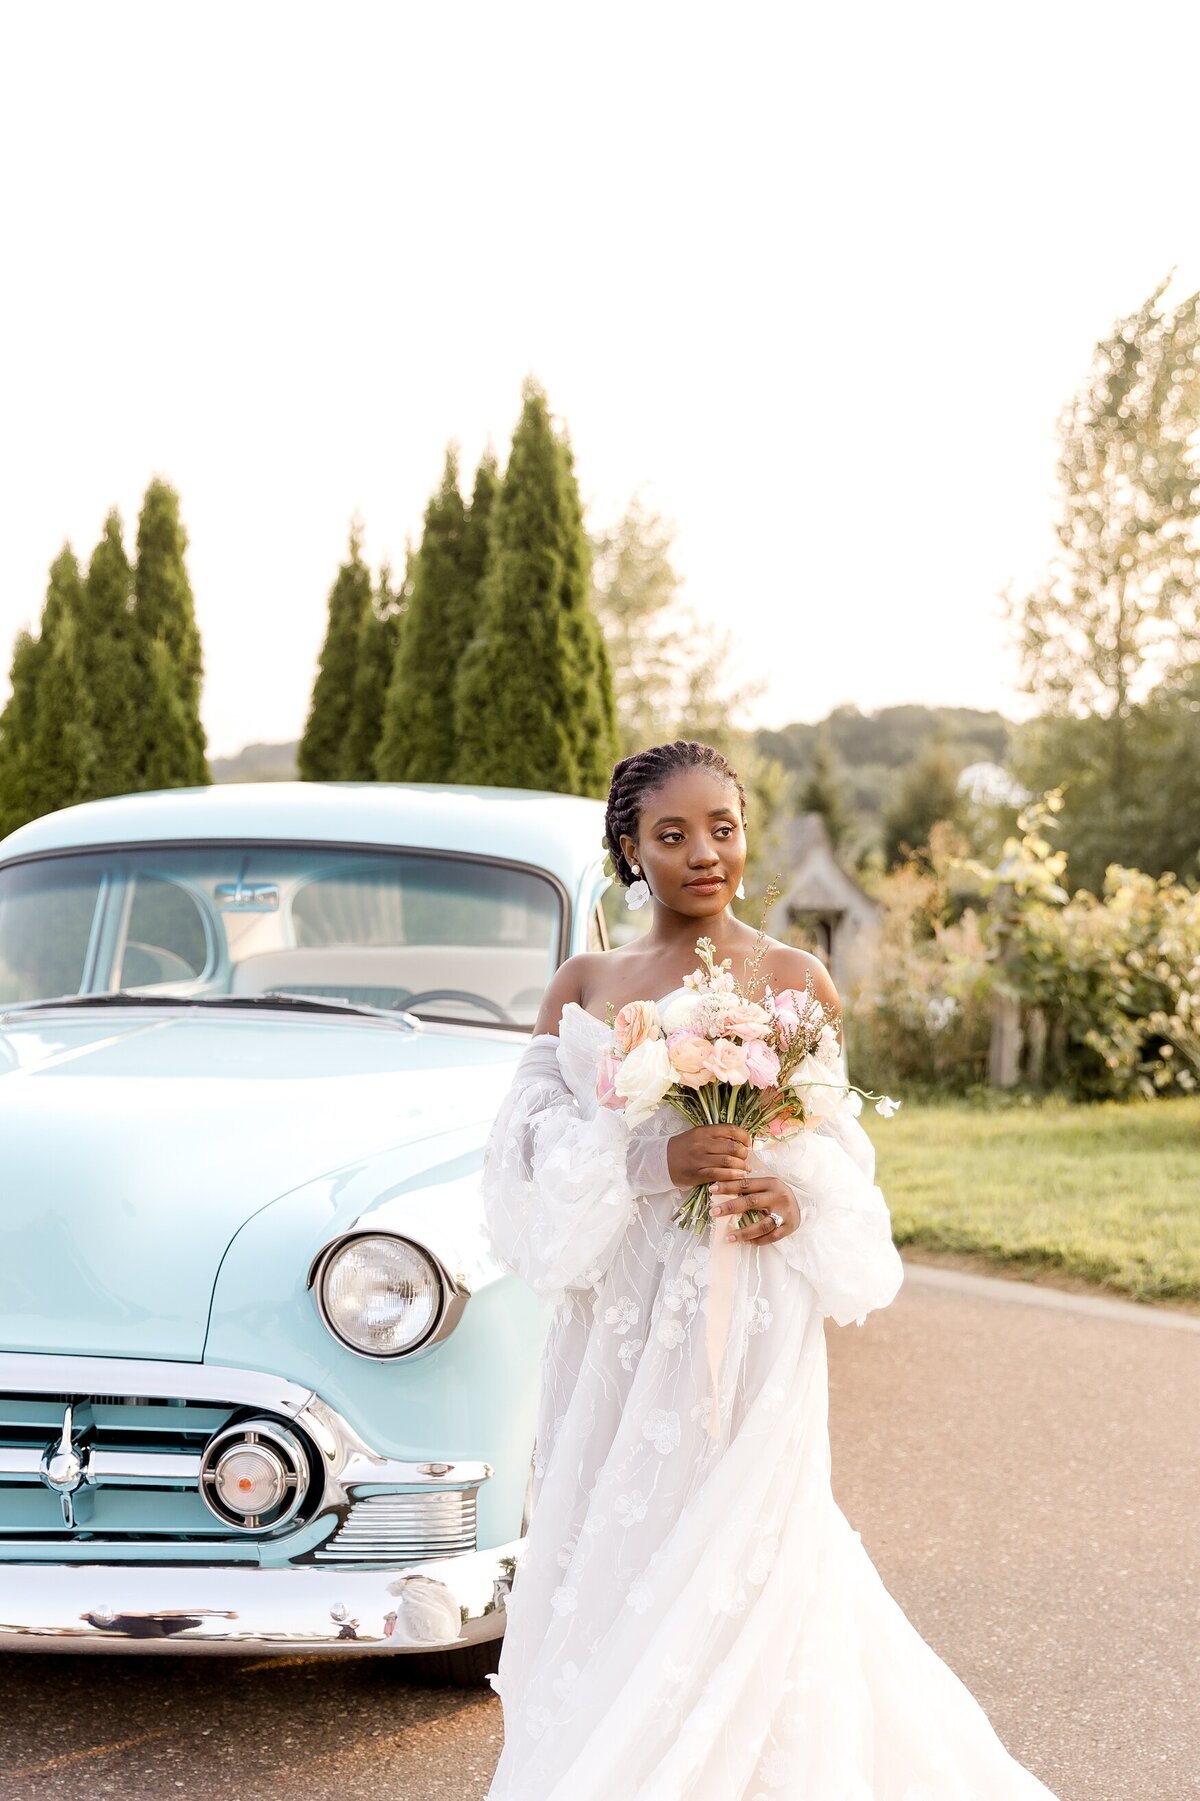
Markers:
(693, 1618)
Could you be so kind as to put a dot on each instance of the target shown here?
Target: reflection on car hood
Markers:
(133, 1148)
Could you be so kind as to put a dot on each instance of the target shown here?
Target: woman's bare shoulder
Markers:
(570, 982)
(787, 966)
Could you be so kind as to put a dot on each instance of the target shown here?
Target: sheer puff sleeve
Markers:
(561, 1174)
(844, 1243)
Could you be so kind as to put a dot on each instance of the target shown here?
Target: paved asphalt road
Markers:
(1024, 1467)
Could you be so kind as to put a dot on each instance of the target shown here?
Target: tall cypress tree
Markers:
(63, 750)
(476, 542)
(534, 701)
(168, 733)
(377, 639)
(17, 723)
(111, 668)
(417, 741)
(164, 610)
(27, 788)
(320, 753)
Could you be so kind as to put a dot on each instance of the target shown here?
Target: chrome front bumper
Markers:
(437, 1605)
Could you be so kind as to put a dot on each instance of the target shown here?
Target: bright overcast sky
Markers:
(816, 278)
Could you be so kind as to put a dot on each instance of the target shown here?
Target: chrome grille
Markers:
(404, 1527)
(137, 1464)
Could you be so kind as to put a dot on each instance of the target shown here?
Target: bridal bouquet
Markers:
(770, 1066)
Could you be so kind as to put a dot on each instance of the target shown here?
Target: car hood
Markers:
(132, 1150)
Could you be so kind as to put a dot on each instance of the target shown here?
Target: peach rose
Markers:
(746, 1020)
(689, 1056)
(637, 1021)
(728, 1061)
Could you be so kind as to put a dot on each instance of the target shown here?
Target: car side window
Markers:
(165, 938)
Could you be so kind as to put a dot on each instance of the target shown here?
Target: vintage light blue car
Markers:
(263, 1386)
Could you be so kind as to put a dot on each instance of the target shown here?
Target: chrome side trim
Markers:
(36, 1372)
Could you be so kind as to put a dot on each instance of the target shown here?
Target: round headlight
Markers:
(380, 1295)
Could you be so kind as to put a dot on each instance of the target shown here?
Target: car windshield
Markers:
(448, 938)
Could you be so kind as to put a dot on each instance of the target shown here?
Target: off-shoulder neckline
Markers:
(680, 988)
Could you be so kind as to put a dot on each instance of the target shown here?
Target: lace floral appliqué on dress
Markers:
(693, 1618)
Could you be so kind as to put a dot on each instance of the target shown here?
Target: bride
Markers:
(693, 1618)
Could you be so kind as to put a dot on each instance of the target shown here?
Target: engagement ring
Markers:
(777, 1217)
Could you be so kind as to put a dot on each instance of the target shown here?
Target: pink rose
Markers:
(637, 1021)
(746, 1020)
(784, 1125)
(762, 1064)
(688, 1052)
(788, 1005)
(606, 1078)
(727, 1061)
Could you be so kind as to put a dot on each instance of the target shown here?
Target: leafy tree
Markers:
(534, 701)
(378, 637)
(113, 667)
(417, 740)
(635, 593)
(320, 754)
(164, 609)
(670, 669)
(927, 793)
(824, 791)
(1121, 601)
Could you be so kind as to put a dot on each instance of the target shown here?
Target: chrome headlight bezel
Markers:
(453, 1296)
(276, 1441)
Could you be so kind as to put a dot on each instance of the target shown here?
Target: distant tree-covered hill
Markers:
(873, 750)
(257, 763)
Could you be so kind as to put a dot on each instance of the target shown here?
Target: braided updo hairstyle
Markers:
(635, 777)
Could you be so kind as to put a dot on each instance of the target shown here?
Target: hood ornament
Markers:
(62, 1467)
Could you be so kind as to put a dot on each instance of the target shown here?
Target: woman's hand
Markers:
(766, 1193)
(708, 1154)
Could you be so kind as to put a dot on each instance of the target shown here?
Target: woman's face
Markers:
(691, 842)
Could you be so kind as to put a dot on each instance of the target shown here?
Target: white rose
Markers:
(643, 1078)
(680, 1014)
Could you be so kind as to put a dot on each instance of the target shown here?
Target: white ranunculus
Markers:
(643, 1078)
(680, 1014)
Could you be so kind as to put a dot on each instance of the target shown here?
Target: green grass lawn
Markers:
(1107, 1193)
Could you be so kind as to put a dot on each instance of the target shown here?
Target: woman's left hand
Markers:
(766, 1193)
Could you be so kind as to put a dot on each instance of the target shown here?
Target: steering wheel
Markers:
(457, 994)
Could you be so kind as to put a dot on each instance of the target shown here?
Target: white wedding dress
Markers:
(693, 1618)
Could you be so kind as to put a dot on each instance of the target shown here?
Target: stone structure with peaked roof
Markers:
(822, 905)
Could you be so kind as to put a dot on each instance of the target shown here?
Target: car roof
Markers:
(558, 832)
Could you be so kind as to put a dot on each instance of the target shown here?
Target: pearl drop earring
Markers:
(637, 893)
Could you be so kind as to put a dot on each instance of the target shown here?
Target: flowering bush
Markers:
(1115, 978)
(923, 1013)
